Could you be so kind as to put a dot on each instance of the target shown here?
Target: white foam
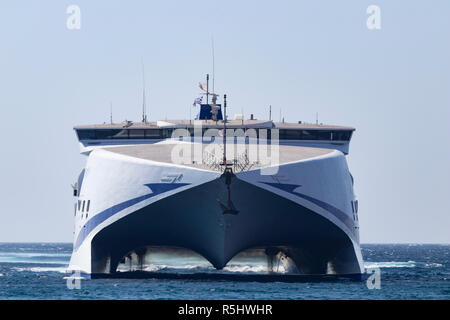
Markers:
(73, 278)
(245, 268)
(34, 257)
(33, 254)
(390, 264)
(200, 268)
(42, 269)
(49, 269)
(36, 262)
(433, 265)
(160, 267)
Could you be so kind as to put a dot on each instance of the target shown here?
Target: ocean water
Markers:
(37, 271)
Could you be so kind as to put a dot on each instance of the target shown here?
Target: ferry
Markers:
(217, 187)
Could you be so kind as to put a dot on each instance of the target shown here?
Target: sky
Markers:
(302, 57)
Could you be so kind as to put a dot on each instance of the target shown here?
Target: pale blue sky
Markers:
(301, 56)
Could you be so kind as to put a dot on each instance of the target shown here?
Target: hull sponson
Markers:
(323, 184)
(115, 186)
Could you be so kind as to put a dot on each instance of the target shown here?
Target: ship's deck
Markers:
(162, 152)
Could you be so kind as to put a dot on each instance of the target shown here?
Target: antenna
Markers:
(270, 113)
(207, 88)
(317, 118)
(213, 64)
(110, 113)
(225, 130)
(144, 107)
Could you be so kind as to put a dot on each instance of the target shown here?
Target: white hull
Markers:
(304, 210)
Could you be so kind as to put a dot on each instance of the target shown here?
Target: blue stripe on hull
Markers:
(328, 207)
(91, 224)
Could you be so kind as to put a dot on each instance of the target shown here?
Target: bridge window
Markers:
(323, 135)
(153, 133)
(86, 134)
(122, 134)
(88, 205)
(137, 134)
(316, 135)
(342, 135)
(166, 133)
(104, 134)
(290, 135)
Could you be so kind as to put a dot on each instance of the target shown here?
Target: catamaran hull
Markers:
(304, 211)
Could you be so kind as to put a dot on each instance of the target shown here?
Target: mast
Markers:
(207, 88)
(213, 64)
(225, 130)
(229, 208)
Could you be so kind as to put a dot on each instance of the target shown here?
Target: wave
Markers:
(49, 269)
(390, 264)
(433, 265)
(33, 254)
(246, 268)
(34, 257)
(74, 278)
(201, 268)
(400, 264)
(42, 269)
(227, 269)
(163, 267)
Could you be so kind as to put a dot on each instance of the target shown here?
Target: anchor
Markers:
(229, 208)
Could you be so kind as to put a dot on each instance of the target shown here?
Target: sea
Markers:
(394, 271)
